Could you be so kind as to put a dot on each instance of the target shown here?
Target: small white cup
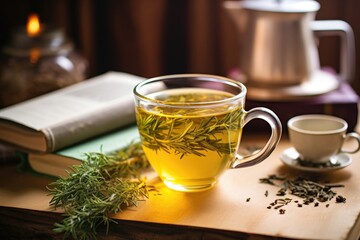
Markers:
(318, 137)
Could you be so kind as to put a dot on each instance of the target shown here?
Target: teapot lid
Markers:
(285, 6)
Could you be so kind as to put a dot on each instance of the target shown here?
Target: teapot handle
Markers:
(346, 34)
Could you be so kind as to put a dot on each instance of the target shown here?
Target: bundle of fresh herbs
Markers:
(99, 187)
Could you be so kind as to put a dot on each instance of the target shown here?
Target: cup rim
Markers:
(292, 120)
(202, 77)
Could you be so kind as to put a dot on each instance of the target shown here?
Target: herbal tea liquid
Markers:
(196, 141)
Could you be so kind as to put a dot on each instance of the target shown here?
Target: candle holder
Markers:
(31, 65)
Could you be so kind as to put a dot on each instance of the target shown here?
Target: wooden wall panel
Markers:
(158, 37)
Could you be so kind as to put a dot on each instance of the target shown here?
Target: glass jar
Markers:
(33, 65)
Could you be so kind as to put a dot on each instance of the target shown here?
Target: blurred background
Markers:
(150, 38)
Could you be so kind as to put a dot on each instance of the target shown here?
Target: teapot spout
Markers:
(236, 12)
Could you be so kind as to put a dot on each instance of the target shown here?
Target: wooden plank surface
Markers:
(224, 208)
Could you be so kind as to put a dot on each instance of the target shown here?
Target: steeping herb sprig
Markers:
(100, 186)
(184, 136)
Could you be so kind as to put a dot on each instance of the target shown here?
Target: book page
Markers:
(74, 101)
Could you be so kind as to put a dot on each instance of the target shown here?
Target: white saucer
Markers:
(321, 82)
(290, 158)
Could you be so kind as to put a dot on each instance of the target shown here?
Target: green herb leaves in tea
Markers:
(188, 135)
(102, 185)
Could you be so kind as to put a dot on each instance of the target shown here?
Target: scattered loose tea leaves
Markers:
(327, 164)
(303, 188)
(271, 179)
(340, 199)
(310, 191)
(279, 203)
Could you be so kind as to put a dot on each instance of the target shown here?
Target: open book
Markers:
(59, 162)
(67, 116)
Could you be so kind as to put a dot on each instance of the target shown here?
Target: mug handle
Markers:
(276, 129)
(355, 136)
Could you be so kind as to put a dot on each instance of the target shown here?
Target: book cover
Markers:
(59, 162)
(67, 116)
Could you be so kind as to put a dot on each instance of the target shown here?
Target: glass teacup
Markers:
(191, 125)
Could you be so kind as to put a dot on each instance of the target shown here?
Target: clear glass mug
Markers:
(191, 125)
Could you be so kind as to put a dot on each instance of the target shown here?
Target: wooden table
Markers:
(235, 209)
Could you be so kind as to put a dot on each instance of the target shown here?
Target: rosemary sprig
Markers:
(100, 186)
(186, 135)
